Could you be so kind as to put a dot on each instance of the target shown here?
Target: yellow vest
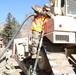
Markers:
(37, 25)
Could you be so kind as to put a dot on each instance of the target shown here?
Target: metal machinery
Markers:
(58, 53)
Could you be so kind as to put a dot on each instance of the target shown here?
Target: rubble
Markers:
(11, 67)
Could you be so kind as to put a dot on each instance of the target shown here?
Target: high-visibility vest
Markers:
(37, 24)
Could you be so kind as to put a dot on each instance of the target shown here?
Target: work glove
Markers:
(38, 10)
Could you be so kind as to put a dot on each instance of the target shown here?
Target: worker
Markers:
(37, 27)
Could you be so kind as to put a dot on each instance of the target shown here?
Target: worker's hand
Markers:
(38, 10)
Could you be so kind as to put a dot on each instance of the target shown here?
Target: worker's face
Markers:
(36, 18)
(44, 10)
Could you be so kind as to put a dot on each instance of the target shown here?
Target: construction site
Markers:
(56, 51)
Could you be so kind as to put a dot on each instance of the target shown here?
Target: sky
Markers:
(18, 8)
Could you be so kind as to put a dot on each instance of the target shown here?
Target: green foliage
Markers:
(15, 26)
(10, 28)
(7, 33)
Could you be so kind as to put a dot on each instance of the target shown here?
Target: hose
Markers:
(6, 49)
(40, 44)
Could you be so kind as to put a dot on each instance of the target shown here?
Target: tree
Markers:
(9, 28)
(7, 33)
(15, 26)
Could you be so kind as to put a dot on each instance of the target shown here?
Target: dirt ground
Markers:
(11, 67)
(17, 70)
(12, 61)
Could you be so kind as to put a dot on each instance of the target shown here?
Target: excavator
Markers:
(57, 48)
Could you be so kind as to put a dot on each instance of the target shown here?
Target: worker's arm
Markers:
(38, 10)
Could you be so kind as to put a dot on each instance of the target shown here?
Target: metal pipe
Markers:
(40, 44)
(6, 49)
